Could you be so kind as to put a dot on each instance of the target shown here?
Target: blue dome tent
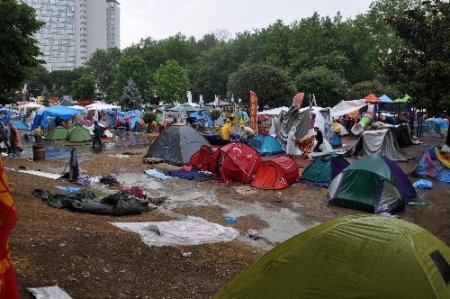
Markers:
(266, 145)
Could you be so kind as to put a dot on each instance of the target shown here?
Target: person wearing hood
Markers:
(97, 140)
(15, 138)
(225, 132)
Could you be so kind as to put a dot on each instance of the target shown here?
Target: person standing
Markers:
(225, 132)
(291, 145)
(4, 136)
(15, 138)
(97, 140)
(319, 138)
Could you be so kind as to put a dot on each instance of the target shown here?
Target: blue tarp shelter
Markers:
(266, 145)
(63, 112)
(386, 100)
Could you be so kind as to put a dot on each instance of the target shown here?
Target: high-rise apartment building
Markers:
(74, 29)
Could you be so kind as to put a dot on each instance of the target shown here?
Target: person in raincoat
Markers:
(97, 140)
(291, 145)
(225, 132)
(15, 138)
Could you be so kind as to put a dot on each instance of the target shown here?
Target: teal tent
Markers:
(323, 169)
(266, 145)
(364, 256)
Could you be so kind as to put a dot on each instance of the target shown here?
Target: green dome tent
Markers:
(79, 134)
(364, 256)
(58, 133)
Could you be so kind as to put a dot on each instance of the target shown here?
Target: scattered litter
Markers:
(192, 174)
(423, 184)
(190, 231)
(230, 219)
(187, 254)
(69, 189)
(53, 176)
(119, 156)
(157, 174)
(53, 292)
(9, 168)
(109, 180)
(131, 153)
(135, 191)
(253, 234)
(417, 203)
(245, 190)
(153, 160)
(83, 181)
(157, 200)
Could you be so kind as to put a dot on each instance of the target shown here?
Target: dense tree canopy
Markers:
(84, 88)
(270, 84)
(171, 82)
(18, 47)
(396, 47)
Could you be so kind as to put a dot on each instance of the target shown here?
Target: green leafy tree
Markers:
(102, 64)
(131, 66)
(18, 47)
(171, 82)
(131, 97)
(84, 88)
(422, 67)
(328, 87)
(271, 85)
(61, 80)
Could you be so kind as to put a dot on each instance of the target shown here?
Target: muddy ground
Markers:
(89, 258)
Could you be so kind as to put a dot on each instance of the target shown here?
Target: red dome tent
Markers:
(238, 162)
(205, 158)
(276, 174)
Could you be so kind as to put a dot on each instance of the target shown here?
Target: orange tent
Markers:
(372, 99)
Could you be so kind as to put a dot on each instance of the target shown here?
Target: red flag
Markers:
(298, 99)
(253, 111)
(8, 219)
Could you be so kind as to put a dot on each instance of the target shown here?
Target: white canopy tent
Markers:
(345, 107)
(102, 106)
(274, 111)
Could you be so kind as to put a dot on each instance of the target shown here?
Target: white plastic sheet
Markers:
(190, 231)
(53, 292)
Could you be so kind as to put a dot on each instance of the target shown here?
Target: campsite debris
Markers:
(189, 231)
(157, 200)
(53, 292)
(153, 160)
(187, 254)
(135, 191)
(423, 184)
(83, 181)
(157, 174)
(119, 156)
(253, 234)
(230, 219)
(53, 176)
(417, 203)
(193, 174)
(279, 197)
(131, 153)
(109, 180)
(69, 189)
(245, 190)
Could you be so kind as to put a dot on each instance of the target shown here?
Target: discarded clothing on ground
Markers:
(190, 231)
(53, 292)
(53, 176)
(109, 180)
(193, 174)
(135, 191)
(89, 202)
(83, 181)
(157, 174)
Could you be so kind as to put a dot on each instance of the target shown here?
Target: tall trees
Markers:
(171, 82)
(84, 88)
(422, 66)
(131, 96)
(102, 64)
(18, 48)
(271, 85)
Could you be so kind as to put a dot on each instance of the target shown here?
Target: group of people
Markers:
(11, 137)
(225, 132)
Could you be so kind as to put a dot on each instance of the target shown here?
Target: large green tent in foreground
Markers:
(364, 256)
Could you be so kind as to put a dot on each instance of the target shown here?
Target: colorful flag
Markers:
(253, 111)
(8, 219)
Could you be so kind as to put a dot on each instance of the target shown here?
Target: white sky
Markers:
(163, 18)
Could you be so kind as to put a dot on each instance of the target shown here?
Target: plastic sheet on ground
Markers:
(53, 292)
(190, 231)
(157, 174)
(53, 176)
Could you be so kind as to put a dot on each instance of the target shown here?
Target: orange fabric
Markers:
(371, 98)
(443, 157)
(8, 219)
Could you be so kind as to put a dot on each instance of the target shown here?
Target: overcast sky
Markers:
(163, 18)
